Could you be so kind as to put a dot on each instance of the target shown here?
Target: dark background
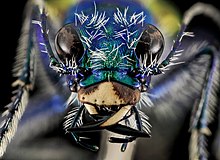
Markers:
(10, 29)
(11, 18)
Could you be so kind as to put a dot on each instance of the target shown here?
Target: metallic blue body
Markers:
(109, 31)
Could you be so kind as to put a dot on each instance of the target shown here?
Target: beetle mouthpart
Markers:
(103, 110)
(118, 116)
(116, 112)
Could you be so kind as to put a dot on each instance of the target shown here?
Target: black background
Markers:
(11, 13)
(11, 18)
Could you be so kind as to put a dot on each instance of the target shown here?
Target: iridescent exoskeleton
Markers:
(107, 52)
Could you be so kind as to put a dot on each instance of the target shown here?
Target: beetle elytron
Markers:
(107, 52)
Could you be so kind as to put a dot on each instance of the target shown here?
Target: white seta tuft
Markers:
(72, 103)
(145, 100)
(12, 117)
(146, 126)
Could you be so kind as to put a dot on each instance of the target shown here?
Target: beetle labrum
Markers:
(108, 52)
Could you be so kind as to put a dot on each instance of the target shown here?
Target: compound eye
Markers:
(150, 45)
(68, 44)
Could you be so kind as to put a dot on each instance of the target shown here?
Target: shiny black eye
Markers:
(68, 44)
(150, 45)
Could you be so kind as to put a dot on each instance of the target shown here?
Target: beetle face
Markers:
(109, 57)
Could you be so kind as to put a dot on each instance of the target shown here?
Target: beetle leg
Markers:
(24, 70)
(203, 111)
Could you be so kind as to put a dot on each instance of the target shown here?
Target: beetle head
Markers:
(110, 78)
